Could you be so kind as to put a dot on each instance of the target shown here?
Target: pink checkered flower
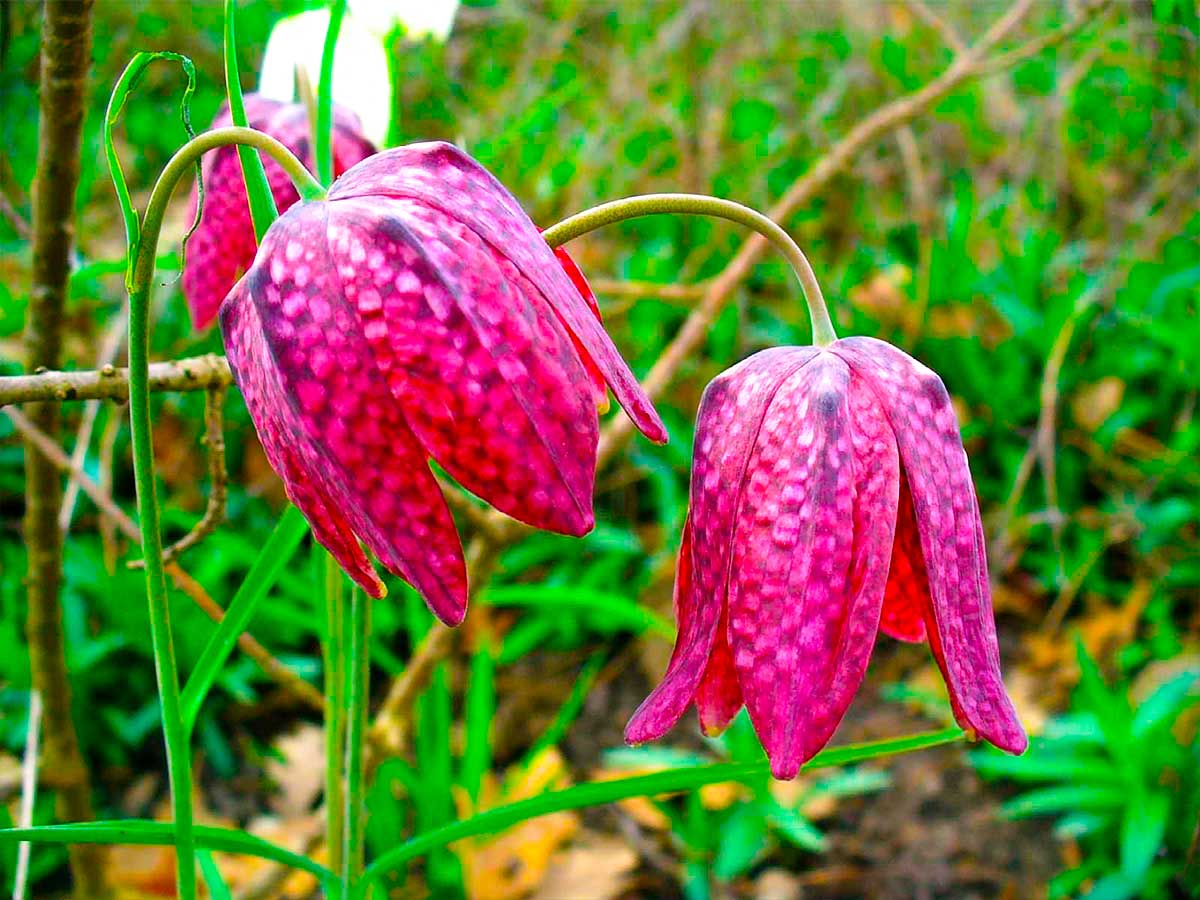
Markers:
(830, 499)
(223, 245)
(417, 313)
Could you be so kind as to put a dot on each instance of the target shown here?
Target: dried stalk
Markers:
(65, 58)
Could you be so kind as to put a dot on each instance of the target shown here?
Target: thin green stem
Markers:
(334, 648)
(595, 793)
(359, 683)
(699, 205)
(175, 729)
(324, 128)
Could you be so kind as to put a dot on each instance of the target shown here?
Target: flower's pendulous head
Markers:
(418, 313)
(223, 245)
(830, 498)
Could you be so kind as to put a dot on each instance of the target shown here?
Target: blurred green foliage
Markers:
(1041, 251)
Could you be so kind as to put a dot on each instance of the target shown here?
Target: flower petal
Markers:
(585, 291)
(727, 426)
(907, 596)
(373, 464)
(286, 444)
(960, 621)
(719, 696)
(486, 375)
(442, 176)
(223, 245)
(810, 558)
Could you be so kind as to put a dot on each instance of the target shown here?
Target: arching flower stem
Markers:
(175, 731)
(700, 205)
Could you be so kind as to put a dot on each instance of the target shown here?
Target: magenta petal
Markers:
(906, 599)
(486, 375)
(695, 619)
(726, 428)
(719, 696)
(599, 385)
(364, 453)
(442, 176)
(810, 558)
(223, 245)
(287, 445)
(960, 621)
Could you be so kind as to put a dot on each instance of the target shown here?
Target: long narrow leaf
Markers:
(262, 203)
(162, 834)
(597, 793)
(618, 610)
(276, 554)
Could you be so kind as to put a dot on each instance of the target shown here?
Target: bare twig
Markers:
(285, 677)
(14, 218)
(29, 772)
(610, 287)
(109, 348)
(65, 60)
(109, 383)
(947, 32)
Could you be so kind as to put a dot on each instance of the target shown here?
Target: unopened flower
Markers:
(223, 245)
(830, 498)
(418, 313)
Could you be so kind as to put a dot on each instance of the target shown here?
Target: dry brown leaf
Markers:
(882, 297)
(298, 770)
(513, 863)
(778, 884)
(1092, 404)
(598, 868)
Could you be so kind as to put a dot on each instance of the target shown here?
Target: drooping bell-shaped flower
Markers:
(223, 245)
(417, 313)
(830, 498)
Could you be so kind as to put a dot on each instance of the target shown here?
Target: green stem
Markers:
(335, 708)
(595, 793)
(323, 149)
(699, 205)
(359, 683)
(175, 729)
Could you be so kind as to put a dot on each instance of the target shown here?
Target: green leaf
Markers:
(1166, 703)
(162, 834)
(480, 710)
(797, 829)
(617, 609)
(571, 707)
(1142, 831)
(597, 793)
(1068, 798)
(116, 102)
(1045, 766)
(743, 837)
(217, 888)
(323, 151)
(262, 202)
(276, 554)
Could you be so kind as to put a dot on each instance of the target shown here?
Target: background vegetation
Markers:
(1035, 238)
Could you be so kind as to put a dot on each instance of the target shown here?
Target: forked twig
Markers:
(214, 510)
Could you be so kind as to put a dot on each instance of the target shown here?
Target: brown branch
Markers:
(198, 373)
(694, 331)
(281, 674)
(65, 59)
(611, 287)
(947, 32)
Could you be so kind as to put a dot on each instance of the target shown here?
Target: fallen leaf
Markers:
(597, 868)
